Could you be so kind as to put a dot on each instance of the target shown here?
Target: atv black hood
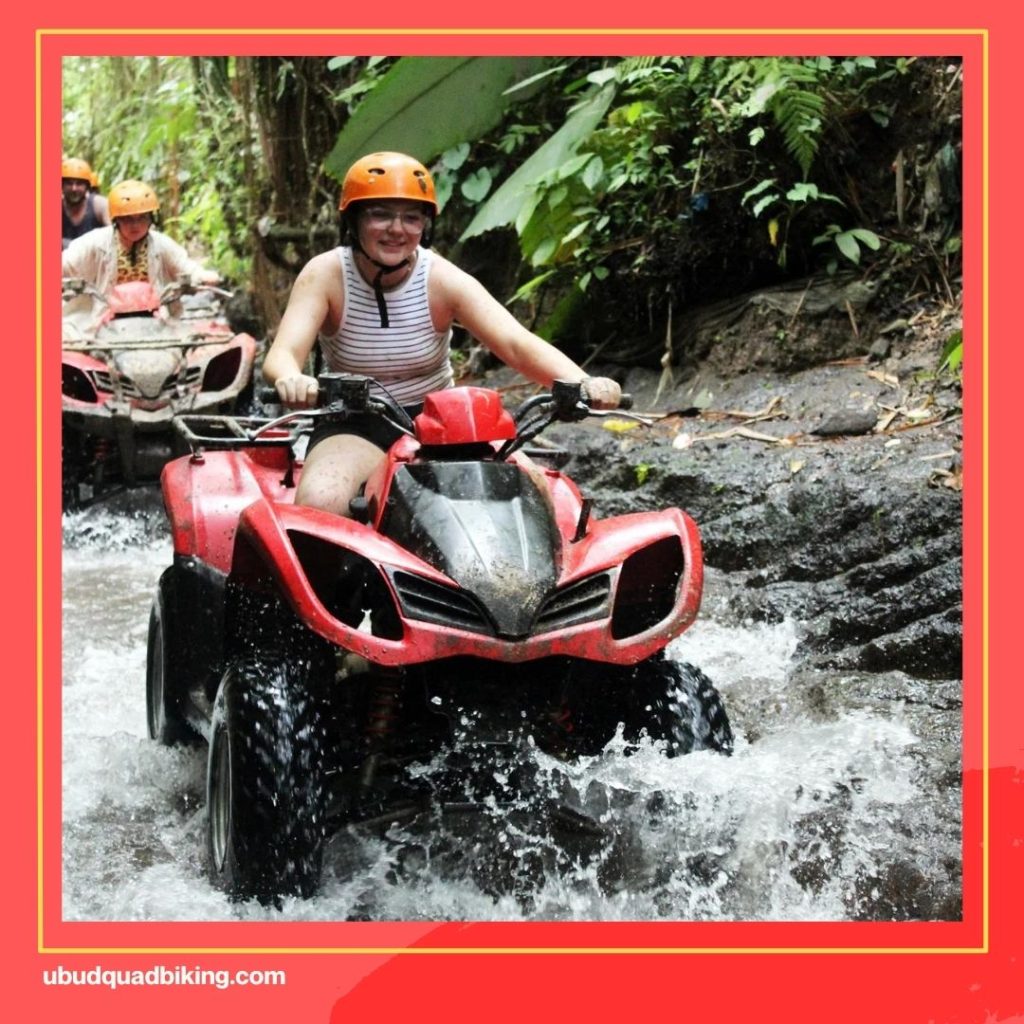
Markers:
(485, 525)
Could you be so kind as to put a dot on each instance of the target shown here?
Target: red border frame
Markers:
(899, 972)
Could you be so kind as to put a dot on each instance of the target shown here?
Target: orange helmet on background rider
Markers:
(388, 176)
(73, 167)
(128, 198)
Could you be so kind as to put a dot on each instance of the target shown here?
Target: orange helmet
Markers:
(388, 176)
(131, 197)
(72, 167)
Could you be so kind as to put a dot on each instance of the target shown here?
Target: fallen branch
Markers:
(853, 319)
(886, 378)
(770, 412)
(751, 435)
(799, 305)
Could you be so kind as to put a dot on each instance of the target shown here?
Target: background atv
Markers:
(472, 611)
(130, 361)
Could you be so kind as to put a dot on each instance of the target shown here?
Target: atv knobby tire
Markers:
(266, 800)
(74, 468)
(164, 685)
(668, 701)
(675, 702)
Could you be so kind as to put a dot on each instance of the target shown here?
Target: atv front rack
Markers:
(230, 433)
(126, 345)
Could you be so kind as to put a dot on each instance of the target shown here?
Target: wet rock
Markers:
(880, 348)
(847, 421)
(905, 893)
(931, 647)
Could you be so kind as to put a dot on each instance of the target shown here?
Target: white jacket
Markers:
(93, 257)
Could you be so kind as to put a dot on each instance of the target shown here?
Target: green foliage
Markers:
(848, 242)
(953, 354)
(608, 170)
(641, 138)
(426, 105)
(520, 195)
(369, 75)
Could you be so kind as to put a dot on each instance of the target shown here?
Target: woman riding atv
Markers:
(383, 305)
(130, 249)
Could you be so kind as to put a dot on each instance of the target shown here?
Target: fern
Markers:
(799, 115)
(787, 90)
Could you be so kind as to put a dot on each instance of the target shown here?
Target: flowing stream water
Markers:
(803, 822)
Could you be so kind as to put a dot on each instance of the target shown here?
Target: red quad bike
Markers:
(127, 371)
(472, 607)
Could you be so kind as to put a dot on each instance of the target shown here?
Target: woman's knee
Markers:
(334, 472)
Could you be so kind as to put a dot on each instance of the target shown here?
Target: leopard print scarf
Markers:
(133, 263)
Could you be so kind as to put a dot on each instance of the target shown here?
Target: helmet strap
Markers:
(378, 289)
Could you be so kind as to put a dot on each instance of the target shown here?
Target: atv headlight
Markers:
(222, 370)
(75, 384)
(648, 587)
(347, 585)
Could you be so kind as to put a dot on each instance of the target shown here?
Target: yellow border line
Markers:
(520, 950)
(652, 31)
(538, 950)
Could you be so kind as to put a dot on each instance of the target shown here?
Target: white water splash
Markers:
(785, 829)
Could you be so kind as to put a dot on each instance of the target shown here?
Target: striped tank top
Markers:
(409, 358)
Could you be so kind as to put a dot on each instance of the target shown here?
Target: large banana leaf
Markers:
(504, 206)
(425, 105)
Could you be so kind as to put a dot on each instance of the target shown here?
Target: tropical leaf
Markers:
(757, 189)
(848, 246)
(503, 207)
(869, 238)
(477, 185)
(426, 105)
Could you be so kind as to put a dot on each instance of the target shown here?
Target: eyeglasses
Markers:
(382, 217)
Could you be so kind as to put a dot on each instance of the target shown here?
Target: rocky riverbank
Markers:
(829, 494)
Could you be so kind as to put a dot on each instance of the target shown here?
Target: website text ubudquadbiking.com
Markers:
(160, 975)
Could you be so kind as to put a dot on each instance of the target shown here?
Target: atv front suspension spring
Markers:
(102, 450)
(382, 713)
(385, 704)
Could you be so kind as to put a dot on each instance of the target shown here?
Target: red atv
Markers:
(127, 369)
(473, 607)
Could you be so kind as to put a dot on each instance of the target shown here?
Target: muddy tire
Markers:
(164, 685)
(266, 798)
(668, 701)
(73, 468)
(676, 703)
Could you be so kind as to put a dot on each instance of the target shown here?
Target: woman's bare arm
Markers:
(308, 308)
(469, 303)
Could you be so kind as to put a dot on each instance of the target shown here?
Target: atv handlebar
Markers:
(186, 286)
(342, 395)
(71, 287)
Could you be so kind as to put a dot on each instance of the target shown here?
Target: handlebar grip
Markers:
(267, 396)
(626, 401)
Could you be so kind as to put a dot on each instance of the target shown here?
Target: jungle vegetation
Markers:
(623, 186)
